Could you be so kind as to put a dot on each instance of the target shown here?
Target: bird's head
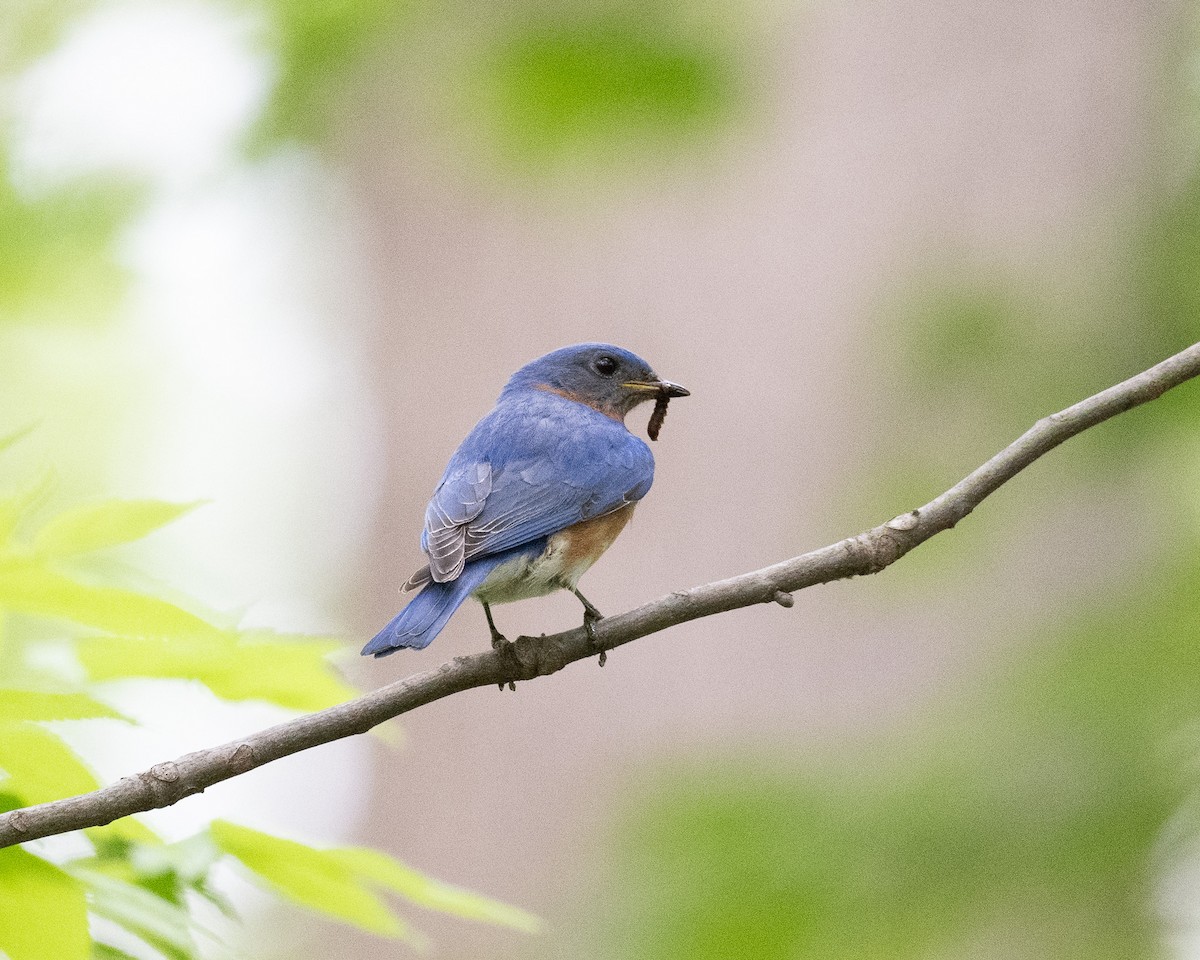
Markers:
(604, 377)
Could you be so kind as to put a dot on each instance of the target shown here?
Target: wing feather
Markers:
(458, 500)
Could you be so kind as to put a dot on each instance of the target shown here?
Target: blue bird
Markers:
(537, 492)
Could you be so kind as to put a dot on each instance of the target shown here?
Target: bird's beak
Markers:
(664, 388)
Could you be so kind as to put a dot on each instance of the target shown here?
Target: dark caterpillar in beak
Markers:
(658, 416)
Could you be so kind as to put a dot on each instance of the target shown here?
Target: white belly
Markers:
(569, 554)
(527, 577)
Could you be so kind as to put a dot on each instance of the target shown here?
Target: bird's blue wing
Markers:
(526, 471)
(458, 500)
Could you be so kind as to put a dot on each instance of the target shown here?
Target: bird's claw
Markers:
(590, 616)
(508, 652)
(589, 625)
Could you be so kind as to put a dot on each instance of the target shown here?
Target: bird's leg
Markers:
(500, 643)
(590, 616)
(498, 639)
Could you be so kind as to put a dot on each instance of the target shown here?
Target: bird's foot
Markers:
(590, 617)
(589, 624)
(508, 654)
(501, 644)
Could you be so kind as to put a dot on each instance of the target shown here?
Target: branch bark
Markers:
(869, 552)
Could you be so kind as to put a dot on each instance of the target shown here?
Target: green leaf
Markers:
(189, 861)
(10, 800)
(43, 914)
(312, 878)
(12, 439)
(217, 899)
(104, 951)
(40, 766)
(29, 586)
(433, 894)
(40, 705)
(17, 506)
(159, 922)
(291, 672)
(121, 834)
(96, 526)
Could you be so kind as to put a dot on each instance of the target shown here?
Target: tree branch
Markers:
(869, 552)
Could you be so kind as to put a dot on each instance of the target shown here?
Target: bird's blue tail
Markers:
(418, 623)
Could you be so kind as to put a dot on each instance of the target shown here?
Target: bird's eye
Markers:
(605, 366)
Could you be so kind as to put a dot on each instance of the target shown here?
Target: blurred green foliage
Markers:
(1039, 817)
(43, 911)
(593, 83)
(342, 883)
(29, 28)
(319, 47)
(57, 589)
(1167, 280)
(557, 82)
(56, 251)
(539, 85)
(973, 361)
(56, 245)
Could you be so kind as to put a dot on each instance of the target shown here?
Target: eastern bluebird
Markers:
(537, 492)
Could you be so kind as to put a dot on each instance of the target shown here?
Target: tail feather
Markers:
(428, 612)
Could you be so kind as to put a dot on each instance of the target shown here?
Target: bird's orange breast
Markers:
(583, 543)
